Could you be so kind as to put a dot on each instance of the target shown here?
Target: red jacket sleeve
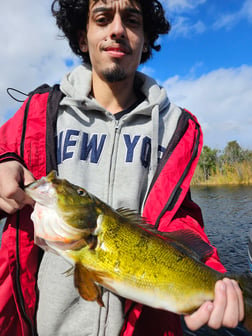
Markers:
(10, 135)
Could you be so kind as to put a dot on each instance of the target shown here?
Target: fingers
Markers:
(228, 305)
(240, 299)
(226, 310)
(13, 176)
(28, 177)
(13, 199)
(220, 305)
(200, 317)
(9, 206)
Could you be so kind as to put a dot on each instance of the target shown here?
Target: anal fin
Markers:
(84, 281)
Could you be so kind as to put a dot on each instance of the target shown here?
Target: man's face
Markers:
(114, 38)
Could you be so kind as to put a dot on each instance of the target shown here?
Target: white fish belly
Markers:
(158, 299)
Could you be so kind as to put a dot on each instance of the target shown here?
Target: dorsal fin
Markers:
(131, 215)
(185, 240)
(190, 242)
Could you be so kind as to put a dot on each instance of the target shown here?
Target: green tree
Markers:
(233, 153)
(207, 161)
(247, 155)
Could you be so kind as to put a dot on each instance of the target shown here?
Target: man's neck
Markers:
(114, 97)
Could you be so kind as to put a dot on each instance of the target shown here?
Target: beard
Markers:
(116, 74)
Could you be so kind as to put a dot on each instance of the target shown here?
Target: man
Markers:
(112, 127)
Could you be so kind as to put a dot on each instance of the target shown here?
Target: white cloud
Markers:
(221, 100)
(179, 14)
(181, 5)
(246, 10)
(31, 52)
(149, 71)
(185, 27)
(229, 20)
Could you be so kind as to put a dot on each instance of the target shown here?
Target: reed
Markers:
(239, 173)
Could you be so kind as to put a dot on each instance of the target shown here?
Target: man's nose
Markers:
(117, 27)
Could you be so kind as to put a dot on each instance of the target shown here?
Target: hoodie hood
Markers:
(76, 86)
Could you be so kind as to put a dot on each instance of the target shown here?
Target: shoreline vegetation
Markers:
(232, 166)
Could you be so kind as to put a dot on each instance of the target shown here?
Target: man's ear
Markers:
(145, 48)
(146, 45)
(83, 41)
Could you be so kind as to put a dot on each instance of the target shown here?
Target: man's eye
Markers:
(133, 20)
(101, 20)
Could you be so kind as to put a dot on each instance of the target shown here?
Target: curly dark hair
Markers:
(72, 16)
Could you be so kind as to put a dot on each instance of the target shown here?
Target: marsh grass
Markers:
(240, 173)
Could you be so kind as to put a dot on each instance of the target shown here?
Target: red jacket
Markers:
(29, 138)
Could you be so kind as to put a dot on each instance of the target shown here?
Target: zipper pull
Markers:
(116, 125)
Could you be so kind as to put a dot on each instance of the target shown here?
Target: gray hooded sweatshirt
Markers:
(115, 160)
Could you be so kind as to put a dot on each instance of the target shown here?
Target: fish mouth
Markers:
(42, 192)
(60, 231)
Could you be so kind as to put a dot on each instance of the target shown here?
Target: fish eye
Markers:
(81, 192)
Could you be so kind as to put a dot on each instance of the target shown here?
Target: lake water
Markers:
(227, 212)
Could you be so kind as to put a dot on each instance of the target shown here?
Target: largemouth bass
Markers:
(116, 249)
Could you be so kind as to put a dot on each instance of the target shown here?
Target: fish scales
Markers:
(120, 252)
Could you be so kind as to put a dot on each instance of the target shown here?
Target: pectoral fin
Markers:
(84, 281)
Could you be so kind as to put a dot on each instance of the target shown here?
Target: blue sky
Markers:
(205, 62)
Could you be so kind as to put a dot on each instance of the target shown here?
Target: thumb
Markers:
(28, 177)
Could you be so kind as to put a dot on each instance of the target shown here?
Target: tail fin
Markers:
(245, 282)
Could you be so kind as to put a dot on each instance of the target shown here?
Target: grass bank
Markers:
(236, 174)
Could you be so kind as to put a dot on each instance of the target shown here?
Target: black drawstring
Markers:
(16, 91)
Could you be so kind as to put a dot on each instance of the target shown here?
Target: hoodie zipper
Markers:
(113, 161)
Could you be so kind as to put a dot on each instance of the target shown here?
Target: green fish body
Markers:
(117, 250)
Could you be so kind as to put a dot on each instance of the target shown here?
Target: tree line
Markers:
(233, 165)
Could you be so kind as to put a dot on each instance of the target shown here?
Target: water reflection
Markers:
(227, 212)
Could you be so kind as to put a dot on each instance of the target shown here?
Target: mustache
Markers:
(118, 44)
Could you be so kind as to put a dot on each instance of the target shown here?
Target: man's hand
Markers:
(13, 177)
(227, 309)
